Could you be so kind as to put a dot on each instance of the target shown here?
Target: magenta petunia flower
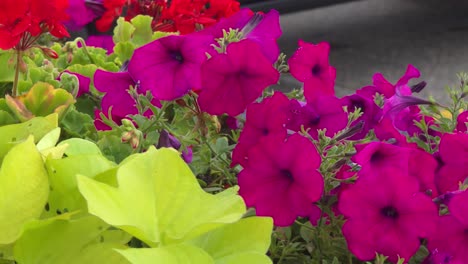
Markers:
(309, 64)
(451, 237)
(103, 41)
(80, 15)
(325, 113)
(167, 140)
(281, 178)
(169, 67)
(263, 119)
(384, 87)
(462, 122)
(453, 162)
(116, 86)
(233, 80)
(264, 29)
(387, 215)
(371, 113)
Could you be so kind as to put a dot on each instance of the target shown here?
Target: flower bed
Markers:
(165, 144)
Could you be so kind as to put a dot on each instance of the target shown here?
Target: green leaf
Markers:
(175, 254)
(16, 133)
(245, 241)
(123, 31)
(49, 140)
(78, 146)
(23, 189)
(64, 195)
(61, 240)
(159, 188)
(77, 124)
(7, 70)
(124, 50)
(143, 31)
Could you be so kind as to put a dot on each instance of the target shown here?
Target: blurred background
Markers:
(370, 36)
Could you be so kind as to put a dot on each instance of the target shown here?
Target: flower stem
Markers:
(17, 70)
(83, 46)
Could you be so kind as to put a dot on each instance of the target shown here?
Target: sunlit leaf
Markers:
(175, 254)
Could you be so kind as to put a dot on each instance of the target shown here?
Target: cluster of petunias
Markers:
(392, 206)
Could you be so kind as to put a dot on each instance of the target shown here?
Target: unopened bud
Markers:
(134, 142)
(126, 136)
(49, 52)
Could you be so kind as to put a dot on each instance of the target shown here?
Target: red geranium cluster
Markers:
(185, 16)
(23, 21)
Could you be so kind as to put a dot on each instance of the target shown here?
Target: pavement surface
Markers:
(385, 36)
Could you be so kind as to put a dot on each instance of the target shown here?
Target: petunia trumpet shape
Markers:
(387, 215)
(169, 67)
(281, 179)
(451, 238)
(309, 64)
(233, 80)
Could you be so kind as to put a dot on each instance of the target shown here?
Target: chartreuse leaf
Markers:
(78, 146)
(41, 100)
(64, 195)
(174, 254)
(143, 31)
(245, 241)
(7, 70)
(49, 140)
(62, 240)
(23, 189)
(123, 31)
(159, 201)
(11, 135)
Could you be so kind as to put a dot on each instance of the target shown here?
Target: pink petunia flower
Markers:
(233, 80)
(263, 119)
(453, 162)
(169, 67)
(451, 238)
(387, 215)
(281, 178)
(462, 122)
(309, 64)
(325, 113)
(371, 113)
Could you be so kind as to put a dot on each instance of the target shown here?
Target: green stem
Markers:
(85, 49)
(17, 69)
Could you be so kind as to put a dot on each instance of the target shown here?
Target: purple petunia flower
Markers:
(462, 122)
(309, 64)
(263, 119)
(263, 29)
(371, 113)
(451, 238)
(167, 140)
(325, 113)
(386, 214)
(102, 41)
(453, 162)
(80, 15)
(281, 178)
(233, 80)
(169, 67)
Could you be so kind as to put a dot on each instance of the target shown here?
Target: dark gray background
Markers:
(385, 36)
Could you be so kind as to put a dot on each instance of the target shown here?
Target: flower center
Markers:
(265, 131)
(389, 212)
(376, 157)
(314, 120)
(287, 173)
(316, 69)
(176, 55)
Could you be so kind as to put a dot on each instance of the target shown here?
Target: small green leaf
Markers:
(123, 31)
(143, 31)
(124, 50)
(23, 189)
(159, 188)
(176, 254)
(49, 140)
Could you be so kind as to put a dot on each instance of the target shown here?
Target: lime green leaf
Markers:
(160, 34)
(175, 254)
(124, 50)
(143, 31)
(123, 31)
(23, 189)
(159, 200)
(15, 133)
(49, 140)
(43, 99)
(57, 241)
(245, 241)
(78, 146)
(7, 70)
(64, 194)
